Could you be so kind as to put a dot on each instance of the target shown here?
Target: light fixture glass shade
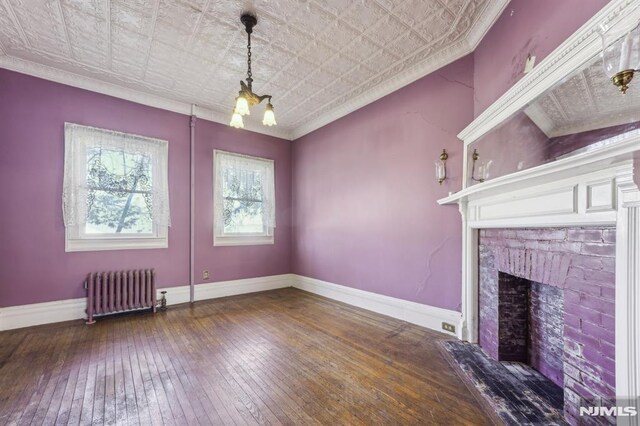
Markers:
(242, 106)
(269, 117)
(440, 174)
(620, 48)
(236, 121)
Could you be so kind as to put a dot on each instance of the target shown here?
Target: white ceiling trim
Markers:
(462, 48)
(76, 80)
(402, 41)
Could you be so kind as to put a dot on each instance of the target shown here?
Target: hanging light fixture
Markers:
(621, 54)
(246, 98)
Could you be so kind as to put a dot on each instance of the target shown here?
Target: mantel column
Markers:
(628, 296)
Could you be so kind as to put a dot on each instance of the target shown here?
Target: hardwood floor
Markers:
(277, 357)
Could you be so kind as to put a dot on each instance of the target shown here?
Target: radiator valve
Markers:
(163, 301)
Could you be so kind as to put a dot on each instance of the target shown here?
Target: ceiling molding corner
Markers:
(68, 78)
(579, 48)
(385, 88)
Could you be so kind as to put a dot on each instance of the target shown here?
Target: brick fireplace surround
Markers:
(576, 262)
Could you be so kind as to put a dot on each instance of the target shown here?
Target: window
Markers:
(244, 200)
(115, 191)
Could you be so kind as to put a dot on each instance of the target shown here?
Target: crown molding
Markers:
(465, 46)
(582, 46)
(405, 76)
(68, 78)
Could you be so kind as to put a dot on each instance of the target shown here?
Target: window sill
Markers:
(72, 245)
(243, 241)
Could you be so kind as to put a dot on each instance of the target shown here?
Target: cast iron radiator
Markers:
(120, 291)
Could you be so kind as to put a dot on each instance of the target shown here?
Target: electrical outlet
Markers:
(448, 327)
(205, 275)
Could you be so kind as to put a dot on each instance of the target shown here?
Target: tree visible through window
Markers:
(244, 199)
(115, 190)
(119, 198)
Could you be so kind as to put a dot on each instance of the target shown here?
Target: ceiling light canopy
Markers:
(246, 98)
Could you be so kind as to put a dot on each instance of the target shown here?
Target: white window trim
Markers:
(265, 238)
(76, 240)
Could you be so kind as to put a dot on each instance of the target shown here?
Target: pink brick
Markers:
(576, 272)
(609, 379)
(596, 303)
(609, 264)
(608, 350)
(579, 337)
(565, 247)
(589, 235)
(608, 293)
(584, 313)
(608, 322)
(599, 249)
(582, 286)
(572, 321)
(603, 278)
(597, 385)
(609, 236)
(597, 332)
(587, 262)
(583, 365)
(572, 347)
(578, 388)
(552, 234)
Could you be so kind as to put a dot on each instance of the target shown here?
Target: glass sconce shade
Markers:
(440, 173)
(242, 106)
(269, 117)
(236, 121)
(621, 53)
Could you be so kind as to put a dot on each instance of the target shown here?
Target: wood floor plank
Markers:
(277, 357)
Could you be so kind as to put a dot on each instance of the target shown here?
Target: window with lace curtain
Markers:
(244, 199)
(115, 190)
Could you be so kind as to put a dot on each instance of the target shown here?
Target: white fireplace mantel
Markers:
(590, 189)
(593, 188)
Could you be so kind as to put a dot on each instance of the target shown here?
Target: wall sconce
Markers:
(441, 167)
(621, 54)
(482, 168)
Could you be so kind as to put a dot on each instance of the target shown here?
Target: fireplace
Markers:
(546, 298)
(531, 325)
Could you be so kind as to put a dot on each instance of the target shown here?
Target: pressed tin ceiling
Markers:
(320, 59)
(586, 101)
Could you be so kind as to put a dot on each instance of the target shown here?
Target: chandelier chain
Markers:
(249, 75)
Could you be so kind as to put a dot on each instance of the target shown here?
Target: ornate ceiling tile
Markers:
(586, 101)
(320, 59)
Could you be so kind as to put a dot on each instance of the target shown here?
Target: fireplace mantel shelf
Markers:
(622, 151)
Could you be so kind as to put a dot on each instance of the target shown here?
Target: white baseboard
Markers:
(415, 313)
(41, 313)
(423, 315)
(72, 309)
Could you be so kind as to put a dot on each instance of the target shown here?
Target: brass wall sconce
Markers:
(441, 167)
(621, 54)
(482, 168)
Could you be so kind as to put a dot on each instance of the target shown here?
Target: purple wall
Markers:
(230, 263)
(33, 264)
(516, 145)
(364, 193)
(526, 26)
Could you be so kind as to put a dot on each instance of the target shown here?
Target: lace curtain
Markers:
(249, 172)
(80, 139)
